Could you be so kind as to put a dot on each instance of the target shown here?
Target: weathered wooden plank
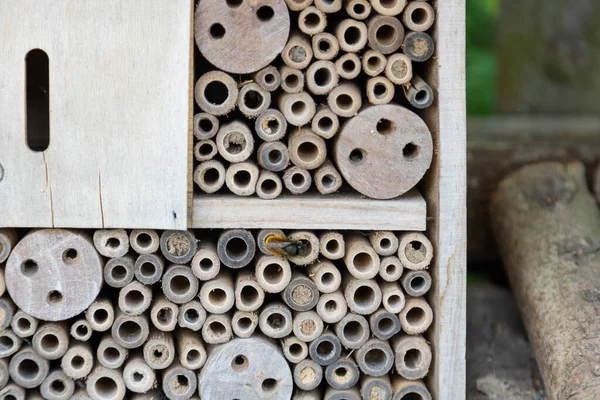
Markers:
(118, 103)
(310, 212)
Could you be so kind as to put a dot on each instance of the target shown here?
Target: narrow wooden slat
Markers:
(408, 213)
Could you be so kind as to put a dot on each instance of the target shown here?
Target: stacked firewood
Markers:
(141, 314)
(294, 93)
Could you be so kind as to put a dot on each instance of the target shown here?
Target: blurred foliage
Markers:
(481, 56)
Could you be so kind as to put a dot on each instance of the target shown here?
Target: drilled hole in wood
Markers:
(29, 267)
(54, 297)
(234, 3)
(357, 156)
(410, 151)
(386, 34)
(217, 31)
(265, 13)
(269, 385)
(240, 363)
(352, 35)
(70, 256)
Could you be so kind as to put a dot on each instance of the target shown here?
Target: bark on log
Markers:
(548, 229)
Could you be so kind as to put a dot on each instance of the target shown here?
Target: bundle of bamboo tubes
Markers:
(300, 92)
(142, 314)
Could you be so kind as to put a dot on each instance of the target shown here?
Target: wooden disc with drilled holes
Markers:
(251, 369)
(241, 36)
(54, 274)
(384, 151)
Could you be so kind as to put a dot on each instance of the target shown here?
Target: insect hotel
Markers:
(232, 199)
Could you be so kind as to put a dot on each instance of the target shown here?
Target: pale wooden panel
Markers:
(119, 113)
(311, 212)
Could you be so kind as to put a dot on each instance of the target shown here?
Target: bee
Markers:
(281, 246)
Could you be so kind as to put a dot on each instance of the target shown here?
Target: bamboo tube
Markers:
(206, 264)
(144, 241)
(205, 150)
(57, 386)
(241, 178)
(100, 315)
(159, 349)
(373, 62)
(306, 149)
(11, 343)
(332, 307)
(27, 368)
(111, 354)
(298, 52)
(342, 374)
(268, 78)
(249, 295)
(345, 100)
(298, 108)
(236, 248)
(138, 377)
(7, 311)
(294, 349)
(273, 273)
(217, 296)
(244, 323)
(210, 176)
(326, 276)
(321, 77)
(307, 326)
(51, 340)
(363, 296)
(191, 316)
(262, 236)
(119, 272)
(412, 356)
(23, 324)
(111, 243)
(271, 125)
(297, 180)
(275, 320)
(380, 90)
(358, 9)
(253, 100)
(353, 331)
(130, 331)
(325, 350)
(390, 269)
(13, 391)
(352, 35)
(329, 6)
(216, 93)
(384, 324)
(179, 284)
(404, 389)
(178, 246)
(163, 314)
(81, 330)
(332, 245)
(8, 240)
(217, 329)
(415, 251)
(418, 16)
(269, 185)
(418, 46)
(308, 375)
(2, 281)
(310, 249)
(399, 69)
(325, 46)
(148, 268)
(372, 387)
(205, 126)
(348, 66)
(335, 394)
(389, 7)
(273, 156)
(419, 94)
(292, 79)
(375, 358)
(4, 372)
(385, 243)
(361, 259)
(105, 383)
(190, 349)
(325, 123)
(135, 298)
(385, 34)
(298, 5)
(416, 283)
(416, 316)
(235, 142)
(78, 361)
(312, 21)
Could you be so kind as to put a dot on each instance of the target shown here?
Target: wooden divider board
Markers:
(119, 75)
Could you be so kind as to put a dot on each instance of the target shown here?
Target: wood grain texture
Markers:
(119, 85)
(311, 212)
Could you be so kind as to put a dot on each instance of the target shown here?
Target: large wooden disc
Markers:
(54, 274)
(241, 36)
(384, 151)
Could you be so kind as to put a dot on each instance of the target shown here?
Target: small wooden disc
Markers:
(54, 274)
(384, 151)
(241, 36)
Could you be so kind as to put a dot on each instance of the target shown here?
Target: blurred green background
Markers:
(481, 56)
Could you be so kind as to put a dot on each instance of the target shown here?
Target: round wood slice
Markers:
(241, 36)
(384, 151)
(54, 274)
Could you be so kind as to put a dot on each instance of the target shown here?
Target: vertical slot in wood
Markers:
(37, 100)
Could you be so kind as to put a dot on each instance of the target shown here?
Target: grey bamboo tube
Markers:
(325, 275)
(205, 150)
(307, 326)
(332, 307)
(241, 178)
(135, 298)
(352, 35)
(249, 295)
(388, 7)
(111, 243)
(312, 21)
(148, 268)
(273, 273)
(325, 46)
(191, 315)
(373, 62)
(390, 269)
(217, 296)
(110, 354)
(104, 383)
(244, 323)
(190, 350)
(418, 16)
(217, 329)
(358, 9)
(321, 77)
(2, 282)
(415, 251)
(4, 372)
(353, 331)
(130, 331)
(393, 299)
(163, 314)
(310, 250)
(275, 320)
(345, 100)
(235, 142)
(325, 350)
(7, 311)
(51, 340)
(342, 374)
(372, 387)
(399, 69)
(294, 349)
(308, 375)
(363, 296)
(269, 185)
(380, 90)
(78, 361)
(416, 283)
(159, 349)
(268, 78)
(325, 123)
(361, 259)
(100, 315)
(205, 126)
(11, 343)
(119, 272)
(306, 149)
(298, 108)
(348, 66)
(419, 94)
(253, 100)
(8, 240)
(57, 386)
(206, 264)
(209, 91)
(27, 368)
(273, 156)
(297, 180)
(236, 248)
(81, 330)
(385, 34)
(297, 52)
(144, 241)
(418, 46)
(406, 389)
(13, 392)
(178, 246)
(292, 79)
(412, 356)
(210, 176)
(314, 394)
(375, 358)
(384, 324)
(23, 324)
(179, 284)
(271, 125)
(332, 245)
(138, 377)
